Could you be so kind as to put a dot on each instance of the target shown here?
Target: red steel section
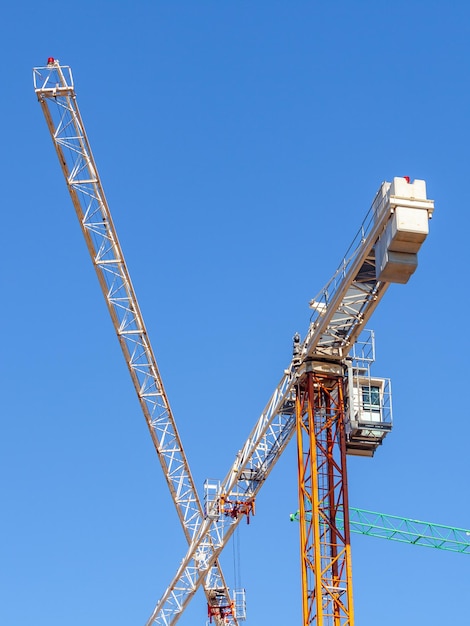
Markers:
(235, 508)
(221, 613)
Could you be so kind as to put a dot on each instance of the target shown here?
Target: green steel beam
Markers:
(407, 530)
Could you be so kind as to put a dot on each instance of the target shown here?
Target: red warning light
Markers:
(407, 178)
(50, 61)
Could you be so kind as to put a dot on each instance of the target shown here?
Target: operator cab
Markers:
(369, 415)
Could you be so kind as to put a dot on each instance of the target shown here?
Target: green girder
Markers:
(406, 530)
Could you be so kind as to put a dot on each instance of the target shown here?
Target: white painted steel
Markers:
(55, 91)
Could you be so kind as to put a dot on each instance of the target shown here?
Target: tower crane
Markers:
(326, 394)
(55, 90)
(405, 530)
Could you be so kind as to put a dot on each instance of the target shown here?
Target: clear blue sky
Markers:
(240, 145)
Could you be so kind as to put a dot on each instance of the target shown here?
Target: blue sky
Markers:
(240, 145)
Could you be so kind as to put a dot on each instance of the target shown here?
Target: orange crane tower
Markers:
(340, 409)
(326, 394)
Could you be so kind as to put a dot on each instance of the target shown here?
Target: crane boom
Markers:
(406, 530)
(383, 252)
(55, 90)
(245, 478)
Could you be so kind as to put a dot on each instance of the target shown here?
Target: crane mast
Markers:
(318, 396)
(55, 90)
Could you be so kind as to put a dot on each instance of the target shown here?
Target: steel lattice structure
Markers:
(404, 530)
(56, 94)
(325, 548)
(339, 314)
